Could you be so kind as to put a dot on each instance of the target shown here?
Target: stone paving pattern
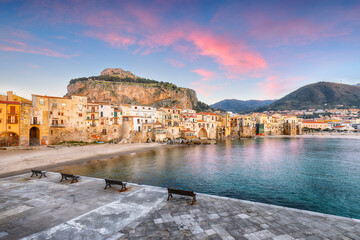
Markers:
(33, 208)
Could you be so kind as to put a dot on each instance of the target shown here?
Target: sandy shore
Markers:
(13, 162)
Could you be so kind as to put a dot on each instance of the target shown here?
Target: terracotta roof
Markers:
(157, 123)
(9, 102)
(205, 113)
(80, 95)
(44, 96)
(312, 122)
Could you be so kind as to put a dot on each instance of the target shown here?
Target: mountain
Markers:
(117, 86)
(239, 106)
(318, 96)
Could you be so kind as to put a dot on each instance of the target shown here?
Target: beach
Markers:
(17, 161)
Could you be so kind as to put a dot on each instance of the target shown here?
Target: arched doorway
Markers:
(202, 134)
(34, 136)
(9, 139)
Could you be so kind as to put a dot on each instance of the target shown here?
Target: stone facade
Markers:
(51, 120)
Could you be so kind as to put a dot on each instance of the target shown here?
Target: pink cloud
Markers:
(34, 65)
(147, 28)
(205, 74)
(176, 63)
(35, 50)
(288, 29)
(298, 32)
(206, 90)
(274, 86)
(234, 57)
(113, 38)
(271, 86)
(16, 40)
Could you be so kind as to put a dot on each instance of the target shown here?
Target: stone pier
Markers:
(33, 208)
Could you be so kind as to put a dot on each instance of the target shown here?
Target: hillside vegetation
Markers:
(318, 96)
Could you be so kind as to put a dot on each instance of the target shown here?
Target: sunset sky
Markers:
(222, 49)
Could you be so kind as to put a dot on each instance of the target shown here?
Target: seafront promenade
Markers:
(33, 208)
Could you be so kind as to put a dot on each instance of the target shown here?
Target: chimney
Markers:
(10, 95)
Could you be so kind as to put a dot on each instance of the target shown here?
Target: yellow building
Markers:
(11, 119)
(9, 123)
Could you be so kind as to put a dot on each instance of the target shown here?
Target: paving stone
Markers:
(283, 237)
(213, 216)
(210, 232)
(243, 216)
(87, 211)
(264, 234)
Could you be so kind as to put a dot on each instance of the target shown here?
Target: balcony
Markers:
(35, 123)
(92, 110)
(57, 125)
(95, 118)
(12, 122)
(13, 113)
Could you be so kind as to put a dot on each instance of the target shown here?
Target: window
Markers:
(115, 130)
(101, 114)
(81, 99)
(12, 109)
(50, 112)
(52, 132)
(62, 121)
(0, 110)
(62, 114)
(41, 101)
(59, 113)
(12, 119)
(80, 114)
(63, 104)
(54, 103)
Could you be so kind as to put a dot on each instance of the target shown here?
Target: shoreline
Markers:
(317, 135)
(21, 161)
(17, 161)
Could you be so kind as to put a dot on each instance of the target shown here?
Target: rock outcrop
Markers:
(118, 72)
(156, 94)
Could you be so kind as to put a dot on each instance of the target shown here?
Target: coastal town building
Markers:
(50, 120)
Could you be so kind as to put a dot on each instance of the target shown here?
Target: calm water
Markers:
(320, 175)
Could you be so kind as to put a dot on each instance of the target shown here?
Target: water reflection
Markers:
(314, 174)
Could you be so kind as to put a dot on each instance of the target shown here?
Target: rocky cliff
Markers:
(110, 87)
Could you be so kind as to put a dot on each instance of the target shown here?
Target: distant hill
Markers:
(318, 95)
(239, 106)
